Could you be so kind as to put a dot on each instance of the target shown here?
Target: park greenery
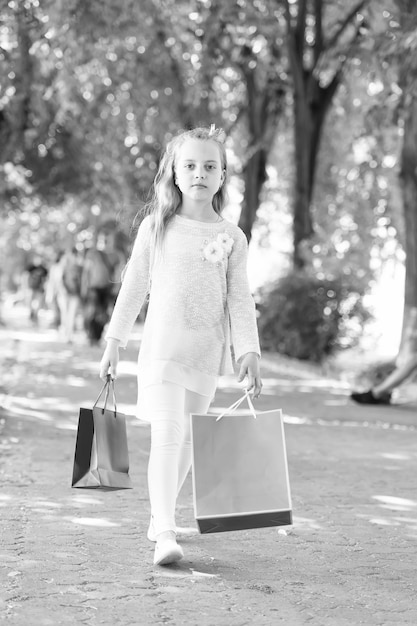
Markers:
(319, 102)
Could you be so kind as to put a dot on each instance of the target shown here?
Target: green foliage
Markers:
(308, 318)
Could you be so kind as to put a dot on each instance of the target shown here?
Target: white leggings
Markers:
(168, 407)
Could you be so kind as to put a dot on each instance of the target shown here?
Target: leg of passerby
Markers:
(381, 394)
(89, 314)
(63, 303)
(56, 313)
(96, 313)
(34, 306)
(73, 302)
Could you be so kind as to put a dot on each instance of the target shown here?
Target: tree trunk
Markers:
(263, 109)
(254, 176)
(408, 176)
(14, 123)
(302, 221)
(311, 102)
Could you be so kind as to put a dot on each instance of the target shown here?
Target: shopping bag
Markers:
(240, 472)
(101, 454)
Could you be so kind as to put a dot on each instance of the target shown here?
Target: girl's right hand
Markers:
(110, 359)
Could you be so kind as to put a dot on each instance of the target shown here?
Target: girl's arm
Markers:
(85, 276)
(242, 313)
(249, 366)
(133, 289)
(110, 359)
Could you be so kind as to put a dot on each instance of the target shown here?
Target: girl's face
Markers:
(198, 169)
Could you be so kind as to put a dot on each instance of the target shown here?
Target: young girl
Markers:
(193, 263)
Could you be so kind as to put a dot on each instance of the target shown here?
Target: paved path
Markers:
(81, 557)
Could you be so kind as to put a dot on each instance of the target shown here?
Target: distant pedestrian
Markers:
(193, 262)
(53, 287)
(35, 278)
(101, 277)
(69, 292)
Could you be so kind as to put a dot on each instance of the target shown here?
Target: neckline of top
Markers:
(191, 221)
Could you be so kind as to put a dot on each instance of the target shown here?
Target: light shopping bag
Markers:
(240, 471)
(101, 453)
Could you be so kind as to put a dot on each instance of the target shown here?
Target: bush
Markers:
(308, 318)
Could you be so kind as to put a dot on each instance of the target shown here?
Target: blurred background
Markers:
(319, 103)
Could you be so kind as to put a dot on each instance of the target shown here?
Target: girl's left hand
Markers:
(249, 366)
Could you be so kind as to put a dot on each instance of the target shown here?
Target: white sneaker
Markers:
(167, 552)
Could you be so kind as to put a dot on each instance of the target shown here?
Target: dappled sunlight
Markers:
(66, 426)
(396, 504)
(75, 381)
(45, 504)
(198, 574)
(336, 393)
(397, 456)
(324, 383)
(34, 335)
(410, 522)
(57, 403)
(26, 411)
(124, 369)
(92, 521)
(51, 356)
(91, 367)
(81, 500)
(29, 402)
(270, 384)
(181, 572)
(53, 410)
(339, 402)
(305, 523)
(296, 421)
(381, 521)
(390, 506)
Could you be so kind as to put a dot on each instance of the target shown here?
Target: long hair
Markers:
(165, 196)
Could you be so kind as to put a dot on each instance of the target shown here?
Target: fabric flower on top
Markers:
(225, 241)
(213, 252)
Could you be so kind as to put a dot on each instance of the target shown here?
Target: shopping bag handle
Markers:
(232, 408)
(109, 383)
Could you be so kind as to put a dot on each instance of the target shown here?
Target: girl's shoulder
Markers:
(146, 223)
(143, 232)
(235, 232)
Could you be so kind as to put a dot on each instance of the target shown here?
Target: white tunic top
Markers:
(200, 302)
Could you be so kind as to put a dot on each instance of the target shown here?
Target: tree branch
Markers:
(288, 15)
(301, 20)
(297, 31)
(161, 36)
(345, 23)
(318, 38)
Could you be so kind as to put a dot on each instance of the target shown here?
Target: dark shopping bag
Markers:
(240, 472)
(101, 452)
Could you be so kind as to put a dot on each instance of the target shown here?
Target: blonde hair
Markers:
(166, 196)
